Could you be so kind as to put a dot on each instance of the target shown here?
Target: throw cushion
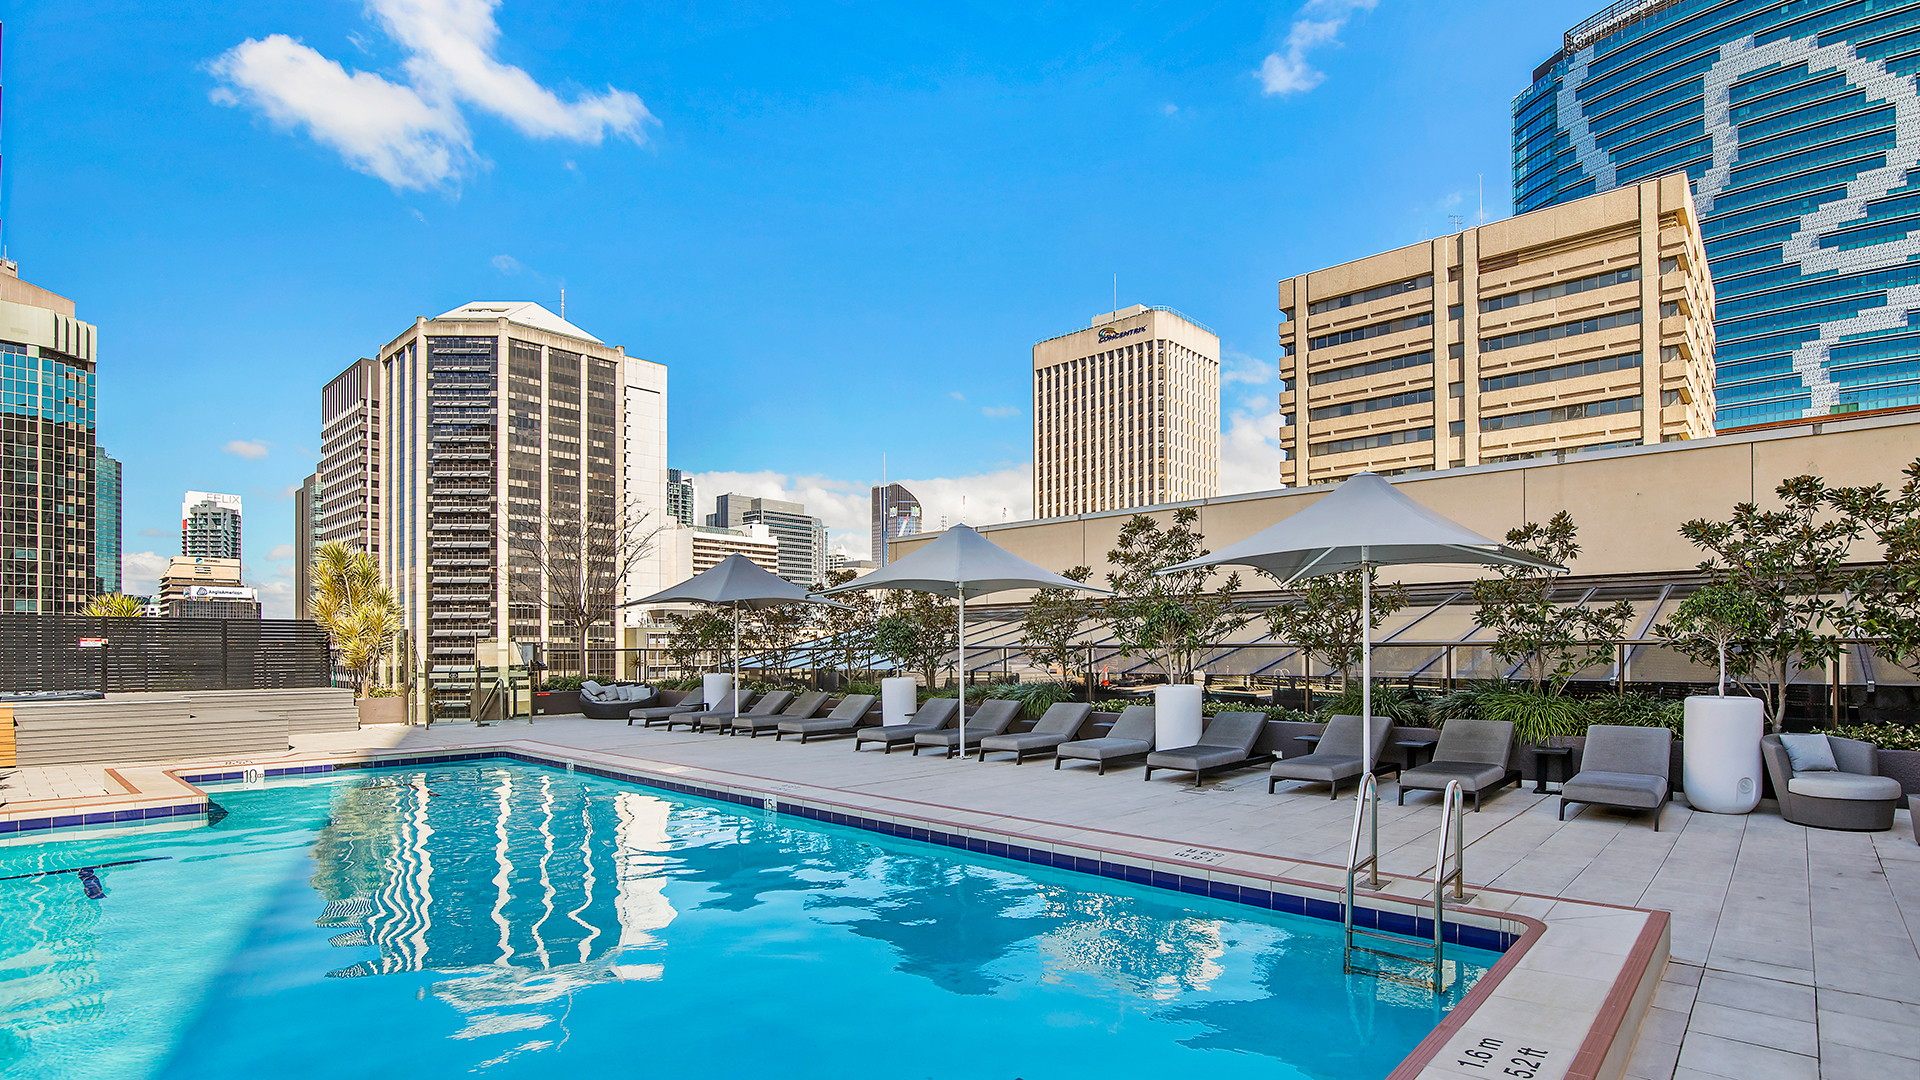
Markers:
(1809, 753)
(627, 693)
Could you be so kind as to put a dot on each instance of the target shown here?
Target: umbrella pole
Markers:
(736, 659)
(960, 672)
(1366, 661)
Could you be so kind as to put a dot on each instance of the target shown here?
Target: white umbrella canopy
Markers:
(742, 583)
(1364, 523)
(961, 563)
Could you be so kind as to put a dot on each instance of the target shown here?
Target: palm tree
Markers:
(115, 606)
(355, 609)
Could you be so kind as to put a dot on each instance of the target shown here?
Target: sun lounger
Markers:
(1130, 737)
(1473, 752)
(933, 714)
(1626, 767)
(1337, 757)
(991, 718)
(726, 706)
(1226, 741)
(806, 707)
(1060, 724)
(841, 721)
(653, 714)
(722, 719)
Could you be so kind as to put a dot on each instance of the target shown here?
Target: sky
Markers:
(841, 226)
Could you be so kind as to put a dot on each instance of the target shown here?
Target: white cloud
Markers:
(1238, 367)
(1169, 109)
(280, 553)
(414, 133)
(1000, 412)
(251, 449)
(507, 264)
(1317, 23)
(846, 506)
(1250, 449)
(957, 395)
(140, 572)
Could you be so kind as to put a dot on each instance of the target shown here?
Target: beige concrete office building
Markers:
(1581, 327)
(1126, 413)
(500, 417)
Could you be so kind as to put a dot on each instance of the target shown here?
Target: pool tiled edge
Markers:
(1525, 1014)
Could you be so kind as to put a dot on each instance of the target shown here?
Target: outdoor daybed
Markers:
(844, 718)
(1338, 757)
(933, 714)
(1473, 752)
(722, 719)
(806, 707)
(1840, 789)
(1627, 767)
(613, 701)
(1130, 737)
(1059, 724)
(991, 718)
(1226, 741)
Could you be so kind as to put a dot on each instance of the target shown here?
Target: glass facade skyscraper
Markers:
(1798, 125)
(106, 522)
(46, 451)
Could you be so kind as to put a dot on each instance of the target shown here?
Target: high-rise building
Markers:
(686, 551)
(681, 497)
(1585, 326)
(1799, 127)
(896, 513)
(1126, 413)
(198, 587)
(47, 448)
(210, 525)
(349, 469)
(309, 517)
(106, 521)
(501, 419)
(803, 539)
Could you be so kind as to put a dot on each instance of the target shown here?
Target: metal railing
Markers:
(1366, 811)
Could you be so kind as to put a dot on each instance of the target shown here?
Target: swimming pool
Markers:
(515, 920)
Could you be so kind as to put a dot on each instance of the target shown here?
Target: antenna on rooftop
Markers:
(1456, 221)
(1116, 292)
(563, 301)
(1482, 178)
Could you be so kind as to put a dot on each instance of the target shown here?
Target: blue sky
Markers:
(841, 226)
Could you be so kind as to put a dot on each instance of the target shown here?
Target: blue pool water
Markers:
(517, 921)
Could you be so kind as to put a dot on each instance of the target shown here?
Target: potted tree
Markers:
(360, 616)
(1721, 734)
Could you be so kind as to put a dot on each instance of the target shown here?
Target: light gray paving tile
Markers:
(1738, 1060)
(1880, 1036)
(1841, 1062)
(1760, 1029)
(1769, 996)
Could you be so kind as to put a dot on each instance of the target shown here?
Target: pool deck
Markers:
(1792, 950)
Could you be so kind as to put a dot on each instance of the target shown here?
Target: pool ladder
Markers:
(1366, 812)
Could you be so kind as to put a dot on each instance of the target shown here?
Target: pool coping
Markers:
(1522, 1003)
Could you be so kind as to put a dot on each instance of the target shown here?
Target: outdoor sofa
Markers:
(1226, 741)
(1059, 724)
(1841, 789)
(669, 703)
(613, 701)
(1625, 767)
(1130, 737)
(933, 714)
(805, 707)
(734, 701)
(1338, 757)
(1474, 752)
(991, 718)
(843, 720)
(722, 719)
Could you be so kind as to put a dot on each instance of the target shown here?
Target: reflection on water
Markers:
(536, 914)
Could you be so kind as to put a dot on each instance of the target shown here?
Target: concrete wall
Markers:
(143, 728)
(1628, 504)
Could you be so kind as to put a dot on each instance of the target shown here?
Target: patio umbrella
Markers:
(962, 563)
(1363, 523)
(740, 582)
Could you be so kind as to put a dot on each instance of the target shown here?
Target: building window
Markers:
(1561, 288)
(1559, 372)
(1362, 333)
(1372, 367)
(1425, 281)
(1560, 414)
(1394, 401)
(1560, 330)
(1370, 442)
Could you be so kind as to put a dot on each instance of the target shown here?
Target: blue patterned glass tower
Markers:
(1798, 125)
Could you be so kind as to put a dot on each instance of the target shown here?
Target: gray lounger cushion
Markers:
(936, 713)
(1131, 736)
(1338, 756)
(1638, 790)
(721, 719)
(990, 719)
(1059, 724)
(1473, 752)
(844, 718)
(726, 706)
(1433, 776)
(1842, 785)
(1227, 740)
(806, 707)
(1622, 766)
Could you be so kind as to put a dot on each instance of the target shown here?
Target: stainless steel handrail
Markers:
(1452, 826)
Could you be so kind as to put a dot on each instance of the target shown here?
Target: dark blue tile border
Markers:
(1413, 926)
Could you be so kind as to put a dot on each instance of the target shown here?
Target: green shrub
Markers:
(562, 682)
(384, 691)
(852, 688)
(1404, 707)
(1884, 736)
(1538, 717)
(1634, 710)
(685, 682)
(1272, 712)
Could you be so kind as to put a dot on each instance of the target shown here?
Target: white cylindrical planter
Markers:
(1722, 754)
(713, 688)
(899, 698)
(1176, 716)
